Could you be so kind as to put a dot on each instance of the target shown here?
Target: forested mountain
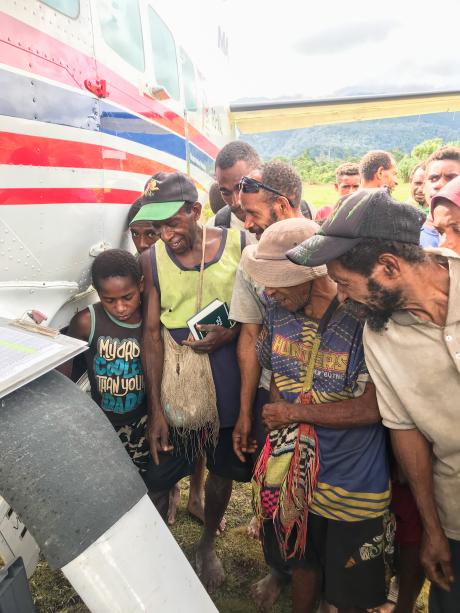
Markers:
(340, 141)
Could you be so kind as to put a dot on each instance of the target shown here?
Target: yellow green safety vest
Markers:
(178, 285)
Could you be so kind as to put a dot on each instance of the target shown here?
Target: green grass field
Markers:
(324, 194)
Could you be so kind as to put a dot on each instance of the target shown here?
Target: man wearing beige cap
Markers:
(321, 484)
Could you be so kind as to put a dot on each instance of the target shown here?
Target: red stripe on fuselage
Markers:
(58, 195)
(23, 149)
(31, 50)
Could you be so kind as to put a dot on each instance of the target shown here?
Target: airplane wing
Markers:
(289, 115)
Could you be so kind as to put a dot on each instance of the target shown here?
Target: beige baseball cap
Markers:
(267, 263)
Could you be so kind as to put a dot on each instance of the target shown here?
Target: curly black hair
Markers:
(284, 178)
(372, 161)
(235, 151)
(347, 169)
(363, 257)
(448, 152)
(115, 263)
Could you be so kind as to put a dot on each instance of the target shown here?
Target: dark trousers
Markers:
(448, 602)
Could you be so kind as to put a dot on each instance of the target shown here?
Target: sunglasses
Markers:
(252, 186)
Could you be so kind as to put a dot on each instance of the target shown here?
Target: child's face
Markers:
(121, 297)
(144, 235)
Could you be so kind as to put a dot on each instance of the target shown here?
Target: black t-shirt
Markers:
(115, 368)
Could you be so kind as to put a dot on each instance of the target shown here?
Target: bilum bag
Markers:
(188, 394)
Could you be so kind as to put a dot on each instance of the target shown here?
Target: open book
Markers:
(216, 312)
(25, 356)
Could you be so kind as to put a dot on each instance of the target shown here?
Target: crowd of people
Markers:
(332, 385)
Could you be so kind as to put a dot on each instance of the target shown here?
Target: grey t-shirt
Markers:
(248, 307)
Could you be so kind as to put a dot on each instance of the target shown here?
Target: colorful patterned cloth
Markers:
(283, 483)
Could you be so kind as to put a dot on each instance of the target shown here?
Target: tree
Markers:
(422, 151)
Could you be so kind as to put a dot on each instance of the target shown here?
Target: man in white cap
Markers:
(321, 485)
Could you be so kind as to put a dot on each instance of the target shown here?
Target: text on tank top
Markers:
(115, 368)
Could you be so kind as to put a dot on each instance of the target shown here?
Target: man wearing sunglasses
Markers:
(268, 194)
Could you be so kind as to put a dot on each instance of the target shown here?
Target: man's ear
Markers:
(390, 265)
(196, 210)
(283, 203)
(141, 284)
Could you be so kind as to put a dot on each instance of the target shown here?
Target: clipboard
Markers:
(25, 354)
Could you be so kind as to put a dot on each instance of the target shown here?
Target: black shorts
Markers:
(440, 600)
(134, 441)
(258, 430)
(349, 555)
(181, 462)
(223, 462)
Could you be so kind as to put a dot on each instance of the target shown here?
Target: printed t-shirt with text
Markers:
(115, 368)
(353, 479)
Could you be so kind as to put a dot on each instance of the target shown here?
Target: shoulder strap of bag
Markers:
(199, 289)
(325, 319)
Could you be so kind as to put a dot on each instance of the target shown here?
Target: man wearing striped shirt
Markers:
(314, 348)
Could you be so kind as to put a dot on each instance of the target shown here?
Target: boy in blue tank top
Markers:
(113, 330)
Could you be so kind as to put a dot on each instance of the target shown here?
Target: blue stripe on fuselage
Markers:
(37, 100)
(201, 160)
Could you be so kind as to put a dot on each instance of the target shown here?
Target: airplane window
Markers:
(71, 8)
(188, 74)
(121, 28)
(164, 55)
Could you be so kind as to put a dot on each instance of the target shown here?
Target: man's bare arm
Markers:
(152, 362)
(250, 374)
(413, 454)
(351, 413)
(249, 365)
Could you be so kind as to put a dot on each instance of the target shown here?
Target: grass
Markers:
(324, 194)
(241, 556)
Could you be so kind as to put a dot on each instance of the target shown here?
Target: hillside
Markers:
(341, 140)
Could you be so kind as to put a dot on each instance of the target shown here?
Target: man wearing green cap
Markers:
(410, 298)
(189, 257)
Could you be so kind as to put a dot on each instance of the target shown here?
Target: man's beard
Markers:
(258, 231)
(376, 317)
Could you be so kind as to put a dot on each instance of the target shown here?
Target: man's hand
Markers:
(435, 557)
(157, 434)
(242, 443)
(216, 337)
(276, 415)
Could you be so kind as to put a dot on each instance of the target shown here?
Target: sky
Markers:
(325, 48)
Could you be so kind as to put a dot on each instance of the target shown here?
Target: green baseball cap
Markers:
(164, 195)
